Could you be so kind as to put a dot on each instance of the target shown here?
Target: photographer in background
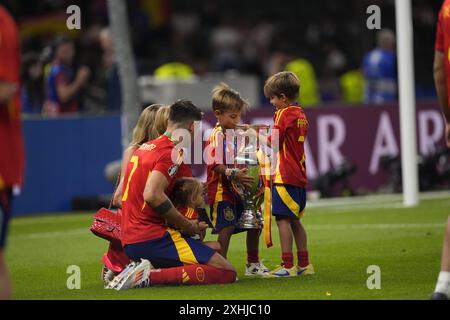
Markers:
(62, 84)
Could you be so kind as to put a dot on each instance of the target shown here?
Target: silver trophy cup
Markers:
(246, 138)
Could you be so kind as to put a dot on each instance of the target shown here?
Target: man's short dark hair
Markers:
(183, 111)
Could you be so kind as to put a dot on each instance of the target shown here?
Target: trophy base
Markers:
(250, 220)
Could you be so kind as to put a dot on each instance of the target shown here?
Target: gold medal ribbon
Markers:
(264, 166)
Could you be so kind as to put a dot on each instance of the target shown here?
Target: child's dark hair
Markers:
(225, 98)
(183, 111)
(184, 190)
(285, 82)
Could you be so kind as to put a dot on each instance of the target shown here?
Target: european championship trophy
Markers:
(247, 143)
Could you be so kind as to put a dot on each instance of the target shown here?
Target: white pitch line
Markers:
(350, 208)
(375, 226)
(53, 234)
(373, 200)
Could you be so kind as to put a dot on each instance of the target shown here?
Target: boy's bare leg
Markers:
(5, 282)
(224, 239)
(286, 239)
(302, 245)
(253, 241)
(445, 260)
(299, 235)
(254, 266)
(285, 233)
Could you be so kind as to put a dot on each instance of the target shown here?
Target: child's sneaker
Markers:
(256, 269)
(118, 278)
(281, 271)
(137, 277)
(107, 275)
(304, 271)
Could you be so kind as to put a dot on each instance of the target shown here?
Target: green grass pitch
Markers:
(345, 237)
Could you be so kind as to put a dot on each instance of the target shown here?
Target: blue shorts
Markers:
(172, 250)
(288, 201)
(5, 215)
(224, 214)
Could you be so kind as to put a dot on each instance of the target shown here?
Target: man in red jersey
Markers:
(11, 141)
(147, 211)
(442, 82)
(289, 180)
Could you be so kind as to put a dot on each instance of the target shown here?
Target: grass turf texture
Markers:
(344, 239)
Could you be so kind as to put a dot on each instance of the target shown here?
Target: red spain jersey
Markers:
(443, 38)
(219, 187)
(139, 222)
(11, 141)
(292, 128)
(189, 213)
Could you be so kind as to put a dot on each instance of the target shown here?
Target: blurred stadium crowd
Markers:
(326, 41)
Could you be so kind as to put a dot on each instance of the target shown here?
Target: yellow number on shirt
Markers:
(134, 160)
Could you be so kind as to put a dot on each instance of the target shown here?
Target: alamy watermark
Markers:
(74, 278)
(374, 280)
(373, 22)
(73, 21)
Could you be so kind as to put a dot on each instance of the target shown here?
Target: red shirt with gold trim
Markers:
(219, 187)
(189, 213)
(139, 222)
(292, 128)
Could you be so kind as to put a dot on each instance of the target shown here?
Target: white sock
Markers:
(443, 283)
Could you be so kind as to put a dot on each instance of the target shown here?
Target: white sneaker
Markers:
(107, 275)
(137, 277)
(256, 269)
(118, 278)
(308, 270)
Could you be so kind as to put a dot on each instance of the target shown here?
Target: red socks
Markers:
(193, 274)
(252, 257)
(303, 259)
(288, 259)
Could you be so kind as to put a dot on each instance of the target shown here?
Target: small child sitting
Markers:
(187, 196)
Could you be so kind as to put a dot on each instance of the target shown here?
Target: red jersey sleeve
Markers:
(167, 167)
(189, 213)
(214, 143)
(439, 44)
(280, 125)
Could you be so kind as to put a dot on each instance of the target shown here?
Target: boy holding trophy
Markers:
(226, 206)
(289, 178)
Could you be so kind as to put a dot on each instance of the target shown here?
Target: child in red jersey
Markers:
(226, 207)
(187, 196)
(289, 179)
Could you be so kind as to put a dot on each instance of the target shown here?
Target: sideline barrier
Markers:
(65, 157)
